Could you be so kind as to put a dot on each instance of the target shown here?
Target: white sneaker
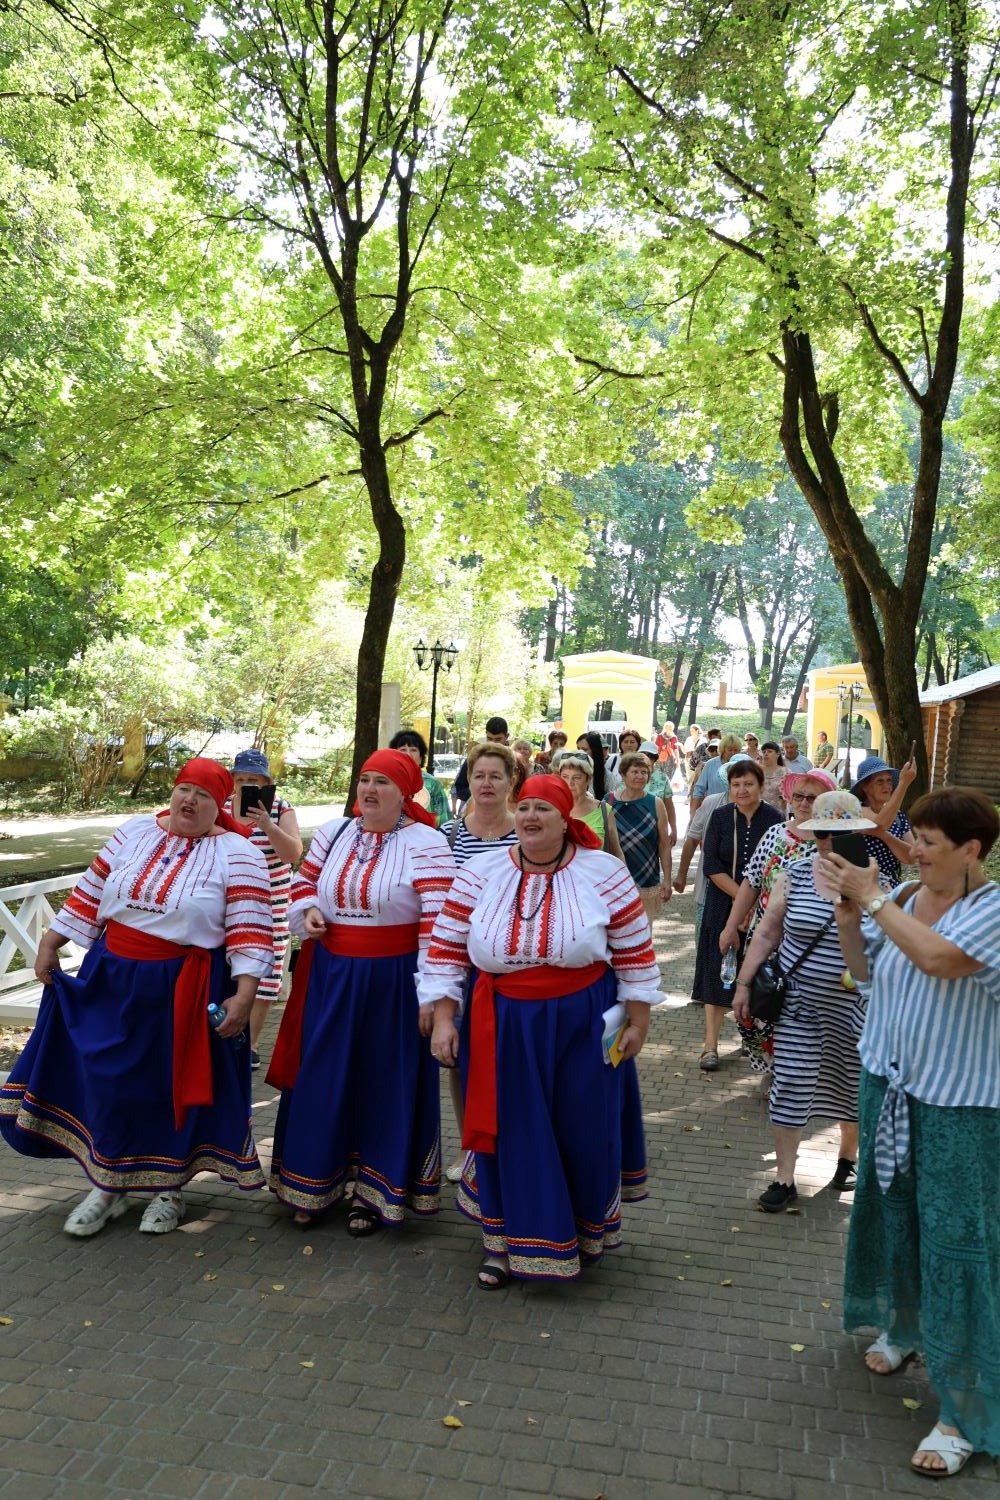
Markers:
(96, 1210)
(163, 1214)
(454, 1172)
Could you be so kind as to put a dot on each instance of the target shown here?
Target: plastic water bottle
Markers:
(727, 972)
(216, 1016)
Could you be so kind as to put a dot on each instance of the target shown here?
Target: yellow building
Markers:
(593, 677)
(829, 707)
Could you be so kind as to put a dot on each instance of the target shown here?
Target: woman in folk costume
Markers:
(557, 935)
(124, 1071)
(360, 1092)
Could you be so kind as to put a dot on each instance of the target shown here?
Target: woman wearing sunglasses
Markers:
(780, 847)
(816, 1063)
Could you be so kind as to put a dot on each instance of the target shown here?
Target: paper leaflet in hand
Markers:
(615, 1022)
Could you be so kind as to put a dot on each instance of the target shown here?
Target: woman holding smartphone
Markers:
(816, 1067)
(274, 829)
(880, 789)
(924, 1245)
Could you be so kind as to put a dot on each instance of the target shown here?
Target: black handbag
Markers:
(769, 986)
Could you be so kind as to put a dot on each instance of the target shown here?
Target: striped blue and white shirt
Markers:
(938, 1039)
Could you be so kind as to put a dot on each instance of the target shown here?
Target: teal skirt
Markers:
(923, 1260)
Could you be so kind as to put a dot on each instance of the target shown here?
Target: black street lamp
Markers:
(849, 693)
(440, 656)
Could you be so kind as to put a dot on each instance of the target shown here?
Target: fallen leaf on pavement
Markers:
(210, 1276)
(793, 1210)
(199, 1255)
(796, 1348)
(545, 1335)
(725, 1283)
(6, 1322)
(531, 1421)
(910, 1404)
(692, 1128)
(88, 1323)
(826, 1304)
(307, 1249)
(308, 1364)
(464, 1403)
(451, 1422)
(278, 1286)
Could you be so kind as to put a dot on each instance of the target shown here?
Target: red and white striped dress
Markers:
(406, 883)
(280, 873)
(202, 892)
(589, 910)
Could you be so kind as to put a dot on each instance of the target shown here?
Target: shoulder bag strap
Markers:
(806, 952)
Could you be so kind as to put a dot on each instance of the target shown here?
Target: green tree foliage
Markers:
(814, 179)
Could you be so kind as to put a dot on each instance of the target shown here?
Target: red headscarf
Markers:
(553, 789)
(404, 772)
(217, 782)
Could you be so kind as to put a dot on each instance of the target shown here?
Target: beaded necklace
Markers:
(546, 887)
(363, 851)
(179, 854)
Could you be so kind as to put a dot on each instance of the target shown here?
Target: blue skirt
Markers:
(569, 1137)
(366, 1102)
(95, 1082)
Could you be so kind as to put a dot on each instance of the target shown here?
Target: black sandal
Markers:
(362, 1221)
(487, 1268)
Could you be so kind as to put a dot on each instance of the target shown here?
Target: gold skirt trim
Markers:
(247, 1176)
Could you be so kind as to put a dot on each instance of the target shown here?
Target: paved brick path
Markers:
(226, 1360)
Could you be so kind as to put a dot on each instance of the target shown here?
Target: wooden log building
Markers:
(962, 732)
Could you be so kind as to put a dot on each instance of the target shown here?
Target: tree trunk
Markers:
(383, 589)
(551, 628)
(812, 646)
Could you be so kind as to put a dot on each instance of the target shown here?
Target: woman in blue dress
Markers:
(123, 1071)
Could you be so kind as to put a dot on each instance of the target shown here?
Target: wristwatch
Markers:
(875, 905)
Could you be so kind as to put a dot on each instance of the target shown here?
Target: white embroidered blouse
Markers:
(201, 892)
(498, 920)
(374, 879)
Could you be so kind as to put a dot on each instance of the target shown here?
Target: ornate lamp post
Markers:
(434, 657)
(849, 693)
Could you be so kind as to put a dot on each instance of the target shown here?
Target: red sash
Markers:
(192, 1060)
(350, 942)
(542, 982)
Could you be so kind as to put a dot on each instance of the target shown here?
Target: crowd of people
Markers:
(504, 935)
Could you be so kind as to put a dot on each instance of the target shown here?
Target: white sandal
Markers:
(163, 1214)
(94, 1211)
(953, 1450)
(893, 1354)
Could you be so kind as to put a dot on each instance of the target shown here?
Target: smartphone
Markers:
(852, 847)
(256, 796)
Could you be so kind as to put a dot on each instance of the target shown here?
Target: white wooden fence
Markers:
(25, 913)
